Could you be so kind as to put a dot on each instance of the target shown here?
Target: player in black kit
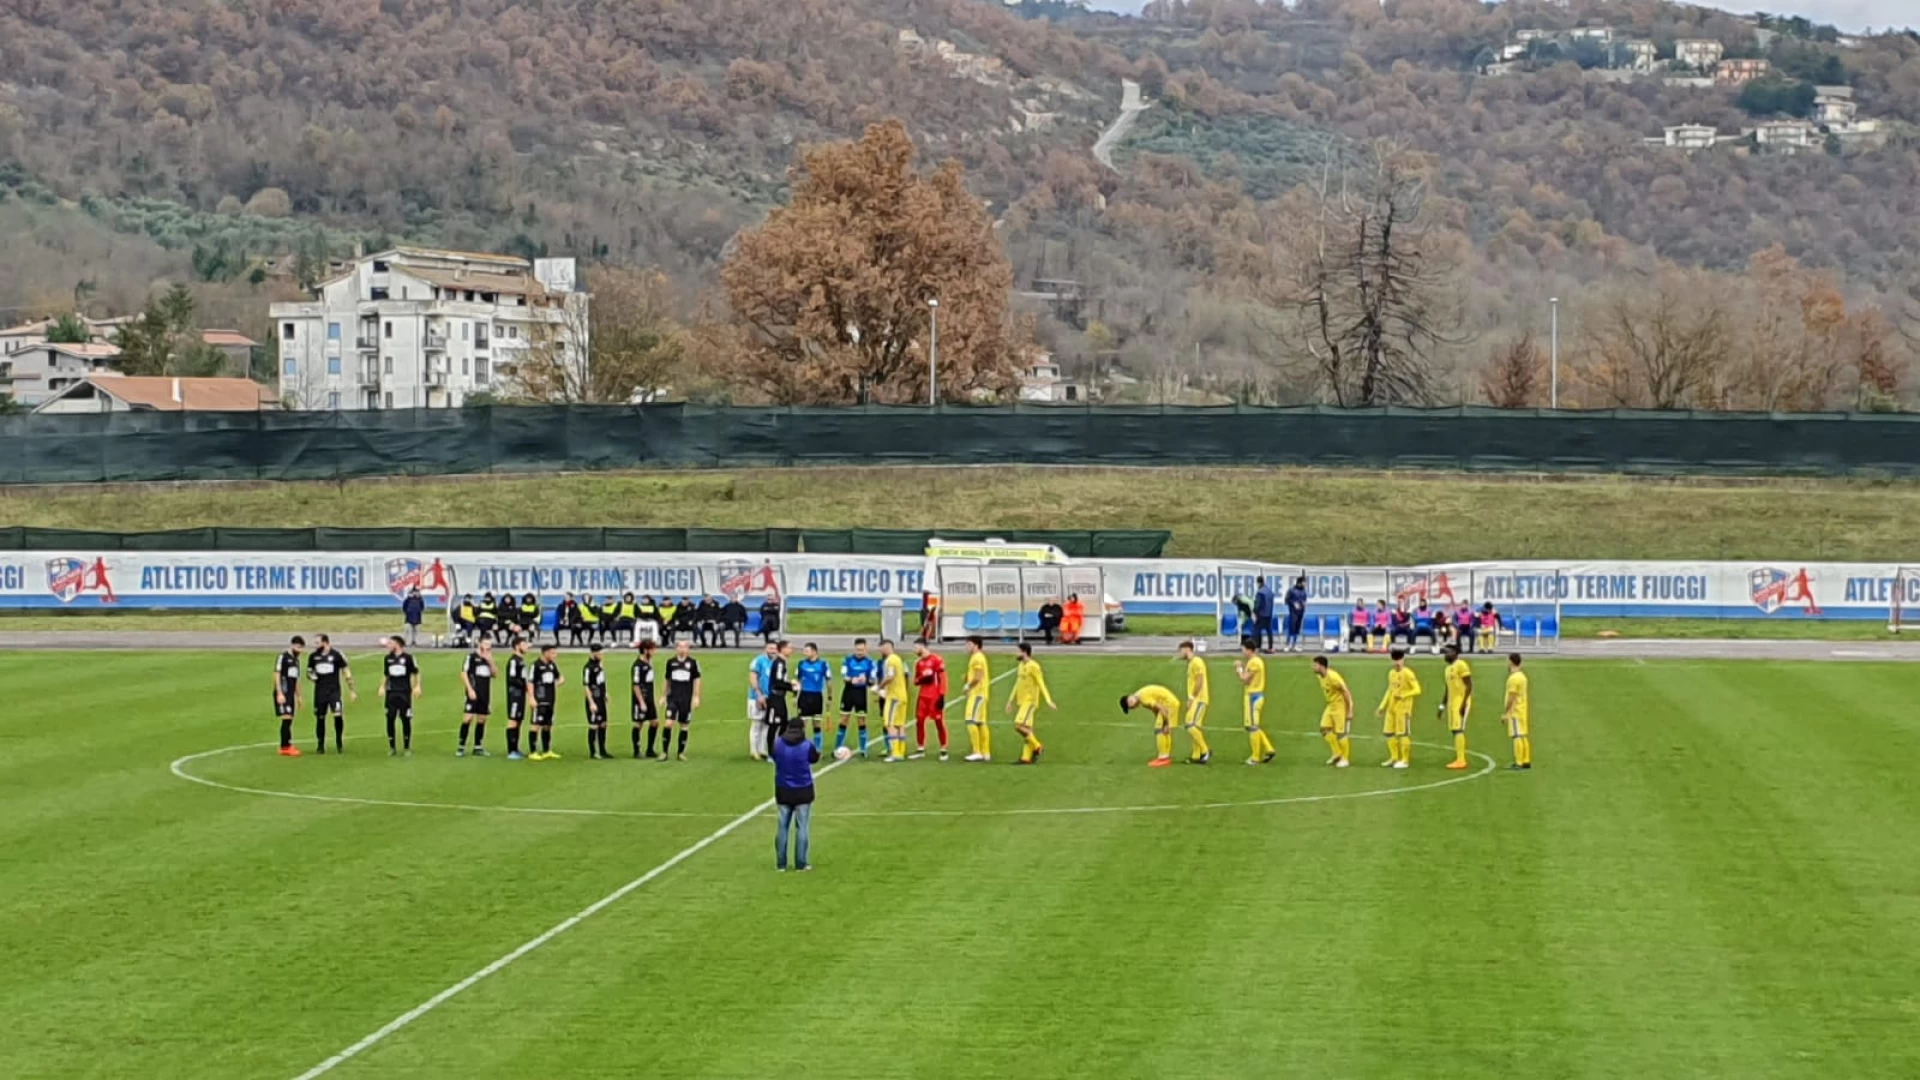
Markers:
(327, 666)
(477, 676)
(595, 678)
(645, 709)
(286, 694)
(518, 671)
(400, 686)
(683, 695)
(546, 692)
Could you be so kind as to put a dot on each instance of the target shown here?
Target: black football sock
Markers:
(546, 740)
(406, 731)
(479, 733)
(513, 739)
(653, 735)
(636, 740)
(390, 742)
(465, 727)
(320, 732)
(286, 733)
(683, 740)
(339, 732)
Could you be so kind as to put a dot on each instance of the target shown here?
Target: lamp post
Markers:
(1553, 399)
(933, 353)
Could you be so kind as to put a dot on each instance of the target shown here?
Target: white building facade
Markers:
(420, 329)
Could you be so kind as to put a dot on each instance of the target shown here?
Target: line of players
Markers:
(1336, 717)
(773, 678)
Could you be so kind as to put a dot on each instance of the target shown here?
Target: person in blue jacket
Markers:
(1262, 632)
(1296, 613)
(413, 609)
(794, 756)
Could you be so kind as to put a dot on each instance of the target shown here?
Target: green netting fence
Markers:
(1079, 543)
(158, 446)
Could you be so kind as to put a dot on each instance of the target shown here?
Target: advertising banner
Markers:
(266, 580)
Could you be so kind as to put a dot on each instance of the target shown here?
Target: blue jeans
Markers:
(797, 818)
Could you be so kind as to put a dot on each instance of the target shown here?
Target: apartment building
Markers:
(413, 328)
(1700, 54)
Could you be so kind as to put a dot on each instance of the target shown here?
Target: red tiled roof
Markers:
(196, 395)
(227, 337)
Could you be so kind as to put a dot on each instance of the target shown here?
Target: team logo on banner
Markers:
(740, 579)
(404, 575)
(69, 578)
(1410, 589)
(1773, 589)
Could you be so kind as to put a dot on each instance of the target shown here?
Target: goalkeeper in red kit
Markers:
(930, 675)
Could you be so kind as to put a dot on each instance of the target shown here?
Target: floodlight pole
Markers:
(1554, 393)
(933, 353)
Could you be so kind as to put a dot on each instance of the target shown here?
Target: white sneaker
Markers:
(1399, 764)
(986, 757)
(1342, 763)
(1389, 764)
(1334, 760)
(1252, 761)
(975, 757)
(916, 755)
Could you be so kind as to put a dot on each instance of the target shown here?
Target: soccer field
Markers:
(1712, 871)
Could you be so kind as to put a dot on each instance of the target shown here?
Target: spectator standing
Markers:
(1296, 613)
(1262, 615)
(793, 759)
(414, 610)
(769, 618)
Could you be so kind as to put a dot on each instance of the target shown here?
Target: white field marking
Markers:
(555, 931)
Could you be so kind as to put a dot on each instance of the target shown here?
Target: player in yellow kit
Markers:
(1403, 688)
(1253, 703)
(1459, 703)
(1029, 690)
(893, 701)
(1166, 714)
(1516, 712)
(1199, 697)
(1336, 719)
(979, 678)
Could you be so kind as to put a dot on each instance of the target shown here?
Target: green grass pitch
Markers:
(1713, 870)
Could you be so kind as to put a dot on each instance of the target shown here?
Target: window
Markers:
(289, 366)
(463, 330)
(488, 298)
(379, 266)
(389, 367)
(403, 292)
(479, 335)
(480, 373)
(333, 364)
(286, 331)
(389, 329)
(333, 399)
(469, 296)
(378, 294)
(389, 399)
(466, 366)
(333, 331)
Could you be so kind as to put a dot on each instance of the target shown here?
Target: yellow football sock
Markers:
(1163, 742)
(986, 741)
(1460, 746)
(1406, 749)
(1526, 750)
(973, 738)
(1346, 748)
(1033, 742)
(1333, 742)
(1393, 748)
(1200, 748)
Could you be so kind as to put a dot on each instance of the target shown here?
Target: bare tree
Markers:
(1512, 377)
(1662, 344)
(1372, 284)
(626, 350)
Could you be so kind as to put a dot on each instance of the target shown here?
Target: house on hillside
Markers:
(413, 328)
(33, 374)
(1741, 71)
(27, 335)
(235, 346)
(1834, 105)
(1042, 382)
(1786, 136)
(140, 393)
(1689, 137)
(1639, 54)
(1700, 54)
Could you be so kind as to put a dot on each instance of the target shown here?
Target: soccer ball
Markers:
(843, 753)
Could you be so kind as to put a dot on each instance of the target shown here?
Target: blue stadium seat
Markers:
(1230, 624)
(1549, 626)
(1032, 622)
(753, 622)
(1527, 626)
(549, 621)
(971, 622)
(990, 622)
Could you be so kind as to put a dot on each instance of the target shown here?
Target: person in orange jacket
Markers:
(1073, 620)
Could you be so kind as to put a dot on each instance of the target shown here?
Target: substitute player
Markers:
(1459, 703)
(518, 671)
(979, 678)
(1252, 671)
(547, 681)
(856, 681)
(1396, 710)
(400, 687)
(477, 677)
(1516, 712)
(286, 693)
(930, 677)
(893, 701)
(1029, 690)
(815, 678)
(1199, 697)
(646, 706)
(683, 696)
(1336, 719)
(1166, 714)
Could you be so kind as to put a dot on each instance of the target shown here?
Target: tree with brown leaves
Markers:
(1512, 378)
(832, 291)
(1662, 343)
(634, 345)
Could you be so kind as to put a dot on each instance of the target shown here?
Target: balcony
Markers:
(436, 341)
(436, 378)
(367, 343)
